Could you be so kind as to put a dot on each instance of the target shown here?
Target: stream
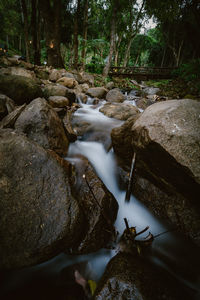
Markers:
(169, 251)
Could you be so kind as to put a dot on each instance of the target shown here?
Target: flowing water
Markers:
(170, 251)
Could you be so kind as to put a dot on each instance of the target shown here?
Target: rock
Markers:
(115, 95)
(41, 72)
(19, 88)
(167, 140)
(10, 119)
(6, 106)
(150, 90)
(143, 103)
(170, 207)
(84, 77)
(57, 74)
(71, 95)
(41, 124)
(84, 87)
(18, 71)
(82, 97)
(99, 207)
(119, 111)
(67, 82)
(110, 85)
(122, 140)
(97, 92)
(55, 90)
(38, 215)
(58, 101)
(130, 277)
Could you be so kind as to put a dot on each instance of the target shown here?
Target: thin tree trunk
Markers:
(127, 52)
(163, 58)
(25, 17)
(35, 32)
(117, 51)
(76, 35)
(112, 41)
(85, 29)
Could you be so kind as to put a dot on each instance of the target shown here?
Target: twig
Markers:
(128, 192)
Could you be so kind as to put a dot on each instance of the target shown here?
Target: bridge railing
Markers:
(147, 71)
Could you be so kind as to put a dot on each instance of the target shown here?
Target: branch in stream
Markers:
(130, 181)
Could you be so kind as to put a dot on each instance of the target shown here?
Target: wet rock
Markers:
(67, 82)
(150, 90)
(84, 87)
(58, 101)
(55, 90)
(71, 95)
(10, 119)
(143, 103)
(19, 88)
(166, 137)
(129, 277)
(115, 95)
(6, 106)
(122, 140)
(42, 125)
(38, 216)
(120, 111)
(99, 208)
(97, 92)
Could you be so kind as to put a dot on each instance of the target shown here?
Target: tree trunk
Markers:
(112, 40)
(85, 29)
(117, 51)
(76, 35)
(51, 12)
(163, 58)
(25, 17)
(127, 52)
(35, 32)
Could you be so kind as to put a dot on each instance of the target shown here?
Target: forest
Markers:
(93, 35)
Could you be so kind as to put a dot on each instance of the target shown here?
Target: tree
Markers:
(51, 13)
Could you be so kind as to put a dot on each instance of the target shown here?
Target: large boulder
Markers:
(42, 125)
(120, 111)
(97, 92)
(167, 139)
(38, 216)
(19, 71)
(115, 95)
(19, 88)
(6, 106)
(99, 208)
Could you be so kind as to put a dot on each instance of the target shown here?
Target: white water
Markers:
(169, 251)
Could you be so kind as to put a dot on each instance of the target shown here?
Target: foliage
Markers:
(189, 71)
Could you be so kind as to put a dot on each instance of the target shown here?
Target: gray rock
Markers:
(38, 215)
(119, 111)
(6, 106)
(115, 95)
(19, 88)
(58, 101)
(170, 132)
(10, 119)
(99, 208)
(55, 90)
(42, 125)
(97, 92)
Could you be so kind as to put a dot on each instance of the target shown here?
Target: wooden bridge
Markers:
(142, 73)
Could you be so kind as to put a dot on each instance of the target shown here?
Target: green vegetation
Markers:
(88, 34)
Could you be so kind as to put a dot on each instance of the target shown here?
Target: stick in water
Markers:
(128, 192)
